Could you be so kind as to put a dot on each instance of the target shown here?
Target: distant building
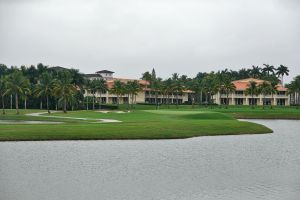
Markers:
(103, 74)
(239, 97)
(146, 95)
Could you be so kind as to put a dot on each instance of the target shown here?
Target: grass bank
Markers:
(139, 124)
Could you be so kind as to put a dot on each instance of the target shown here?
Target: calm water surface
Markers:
(247, 167)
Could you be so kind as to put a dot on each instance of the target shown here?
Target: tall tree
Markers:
(156, 87)
(227, 87)
(282, 71)
(268, 69)
(87, 87)
(252, 90)
(265, 89)
(273, 91)
(100, 87)
(3, 89)
(44, 89)
(169, 89)
(255, 71)
(64, 88)
(177, 86)
(133, 89)
(294, 90)
(17, 84)
(118, 89)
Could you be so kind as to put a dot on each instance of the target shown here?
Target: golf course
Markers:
(143, 122)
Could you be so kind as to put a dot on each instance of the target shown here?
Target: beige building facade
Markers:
(239, 96)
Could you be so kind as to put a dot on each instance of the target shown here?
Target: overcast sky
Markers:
(132, 36)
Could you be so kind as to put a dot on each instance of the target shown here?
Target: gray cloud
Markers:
(131, 36)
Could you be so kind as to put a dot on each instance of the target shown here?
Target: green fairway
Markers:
(138, 124)
(238, 112)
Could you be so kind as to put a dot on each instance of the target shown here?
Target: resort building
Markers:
(239, 96)
(103, 74)
(146, 95)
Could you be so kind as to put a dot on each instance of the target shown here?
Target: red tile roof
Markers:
(244, 84)
(110, 83)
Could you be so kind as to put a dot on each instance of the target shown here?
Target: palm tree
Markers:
(294, 90)
(255, 71)
(281, 71)
(252, 90)
(268, 69)
(87, 87)
(45, 87)
(64, 89)
(265, 89)
(273, 91)
(156, 86)
(118, 89)
(101, 87)
(228, 87)
(192, 85)
(168, 85)
(3, 89)
(17, 84)
(93, 88)
(177, 86)
(147, 77)
(133, 88)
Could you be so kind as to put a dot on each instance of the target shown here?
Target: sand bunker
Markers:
(27, 122)
(41, 114)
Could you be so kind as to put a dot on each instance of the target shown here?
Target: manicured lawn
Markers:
(238, 112)
(138, 124)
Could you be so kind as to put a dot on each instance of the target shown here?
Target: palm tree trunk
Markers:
(272, 99)
(93, 101)
(128, 96)
(3, 105)
(193, 99)
(177, 100)
(87, 102)
(47, 98)
(17, 104)
(41, 104)
(100, 101)
(11, 101)
(227, 100)
(200, 100)
(252, 101)
(65, 105)
(25, 103)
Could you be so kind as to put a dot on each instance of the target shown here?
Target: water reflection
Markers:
(244, 167)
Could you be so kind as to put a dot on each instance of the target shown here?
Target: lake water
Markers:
(246, 167)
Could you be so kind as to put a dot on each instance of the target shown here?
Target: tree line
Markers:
(60, 88)
(205, 85)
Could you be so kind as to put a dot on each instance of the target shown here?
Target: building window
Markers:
(252, 101)
(281, 93)
(280, 102)
(239, 101)
(239, 92)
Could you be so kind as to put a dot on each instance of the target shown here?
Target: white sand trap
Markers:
(108, 111)
(27, 122)
(41, 114)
